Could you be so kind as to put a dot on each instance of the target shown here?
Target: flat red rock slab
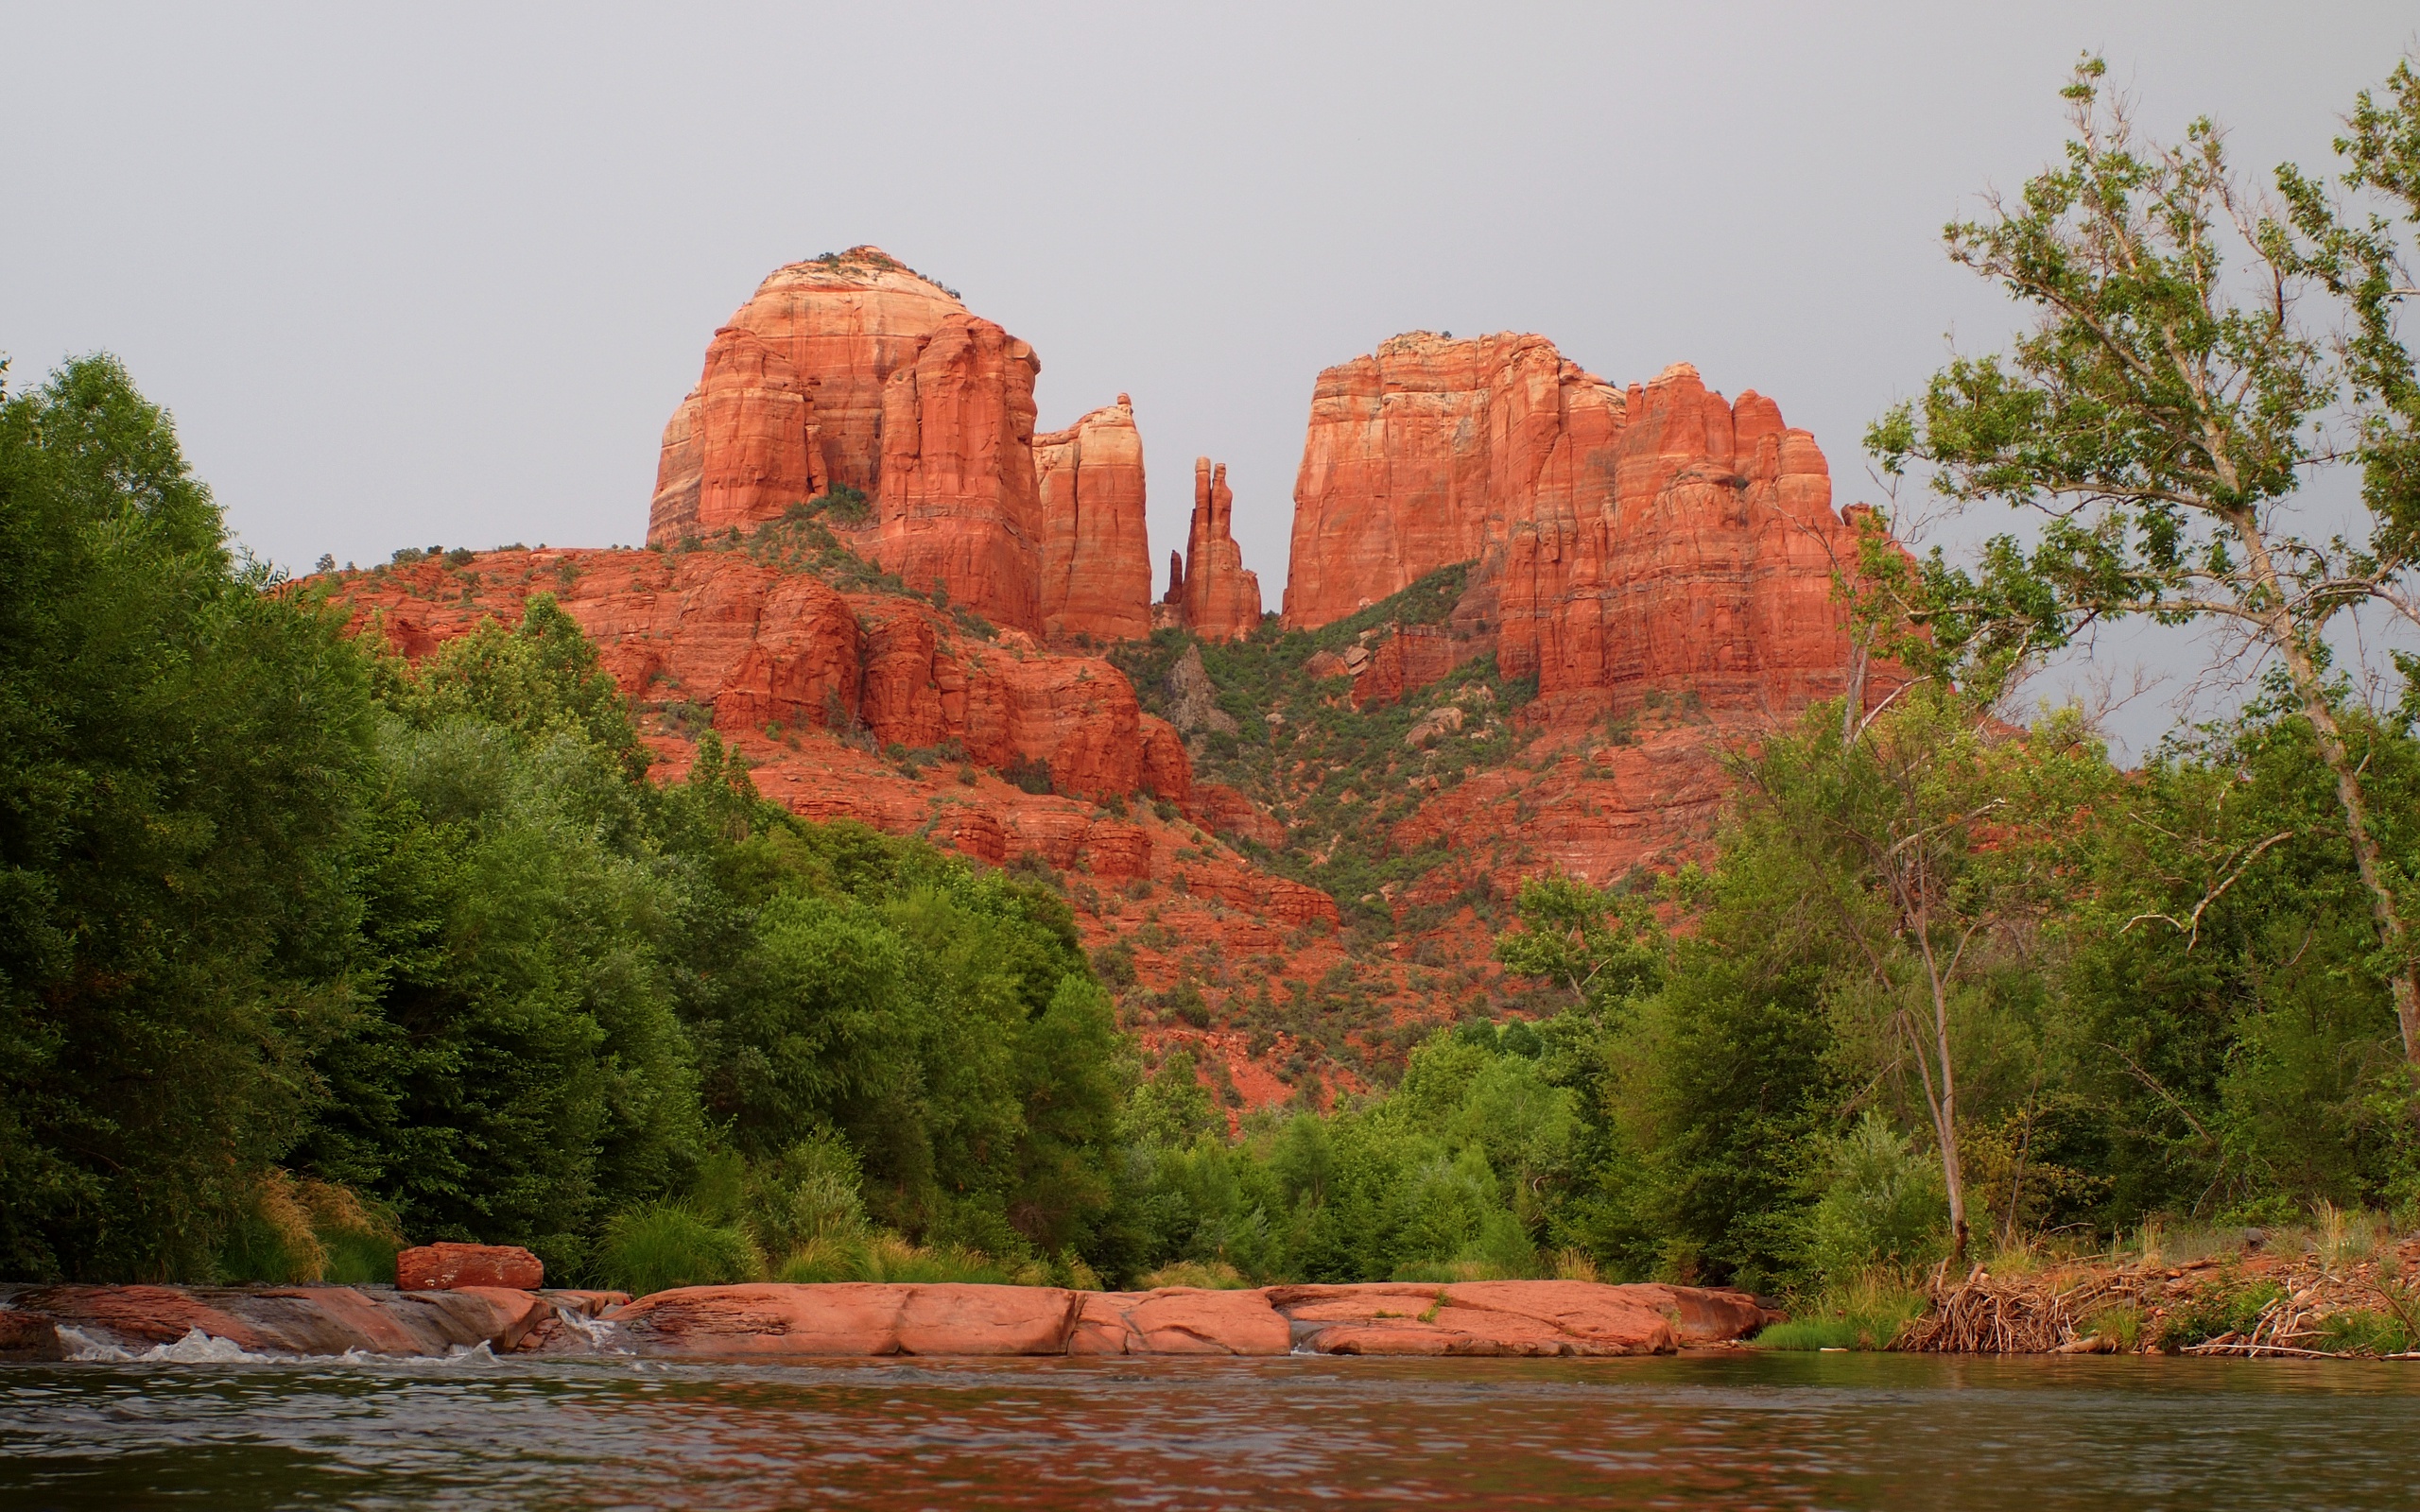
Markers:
(305, 1320)
(1178, 1321)
(833, 1318)
(443, 1267)
(1534, 1317)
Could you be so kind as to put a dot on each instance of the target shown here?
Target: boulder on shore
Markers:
(443, 1267)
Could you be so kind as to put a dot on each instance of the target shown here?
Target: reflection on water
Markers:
(1779, 1431)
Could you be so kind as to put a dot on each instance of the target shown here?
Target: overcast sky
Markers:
(439, 275)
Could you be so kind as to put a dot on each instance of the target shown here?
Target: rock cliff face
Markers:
(1095, 557)
(1657, 535)
(960, 506)
(793, 393)
(1212, 591)
(853, 370)
(762, 649)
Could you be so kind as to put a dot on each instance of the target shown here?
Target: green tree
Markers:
(182, 753)
(2164, 414)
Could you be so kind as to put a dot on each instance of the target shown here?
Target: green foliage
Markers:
(2227, 1304)
(180, 754)
(2163, 415)
(1463, 1173)
(1866, 1310)
(1881, 1202)
(660, 1245)
(1604, 946)
(428, 934)
(1337, 777)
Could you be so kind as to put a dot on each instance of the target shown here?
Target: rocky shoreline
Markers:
(869, 1319)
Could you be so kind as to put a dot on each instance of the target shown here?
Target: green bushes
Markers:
(1864, 1311)
(660, 1245)
(1881, 1202)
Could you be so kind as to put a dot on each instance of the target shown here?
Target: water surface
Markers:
(1737, 1431)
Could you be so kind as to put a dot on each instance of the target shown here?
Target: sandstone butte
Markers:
(1213, 594)
(854, 370)
(1531, 1319)
(1656, 536)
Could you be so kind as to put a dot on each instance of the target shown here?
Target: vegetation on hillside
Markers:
(1337, 776)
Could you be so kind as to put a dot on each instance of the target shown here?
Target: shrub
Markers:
(1883, 1202)
(662, 1246)
(1864, 1312)
(1027, 774)
(2228, 1305)
(889, 1258)
(809, 1193)
(1207, 1275)
(271, 1239)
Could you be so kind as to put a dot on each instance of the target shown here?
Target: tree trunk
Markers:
(1953, 1170)
(2403, 972)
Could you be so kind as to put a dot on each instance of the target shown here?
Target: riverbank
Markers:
(2335, 1292)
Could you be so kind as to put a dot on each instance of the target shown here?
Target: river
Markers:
(1747, 1430)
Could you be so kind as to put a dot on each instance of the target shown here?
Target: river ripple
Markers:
(1753, 1431)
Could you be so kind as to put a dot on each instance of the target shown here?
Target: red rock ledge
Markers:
(1462, 1318)
(870, 1320)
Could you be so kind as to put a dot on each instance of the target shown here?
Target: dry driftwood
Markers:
(1983, 1315)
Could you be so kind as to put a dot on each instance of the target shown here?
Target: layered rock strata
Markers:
(853, 371)
(1212, 591)
(960, 506)
(1095, 554)
(760, 647)
(1653, 536)
(202, 1323)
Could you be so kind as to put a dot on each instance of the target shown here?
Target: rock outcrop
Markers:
(1212, 591)
(1096, 554)
(1653, 536)
(845, 1318)
(853, 371)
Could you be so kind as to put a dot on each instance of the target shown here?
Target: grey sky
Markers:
(439, 275)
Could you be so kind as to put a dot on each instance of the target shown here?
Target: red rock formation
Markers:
(1178, 1321)
(853, 370)
(1513, 1317)
(792, 395)
(443, 1267)
(1096, 558)
(113, 1322)
(1409, 658)
(764, 647)
(1657, 536)
(958, 497)
(1218, 598)
(1399, 468)
(1466, 1318)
